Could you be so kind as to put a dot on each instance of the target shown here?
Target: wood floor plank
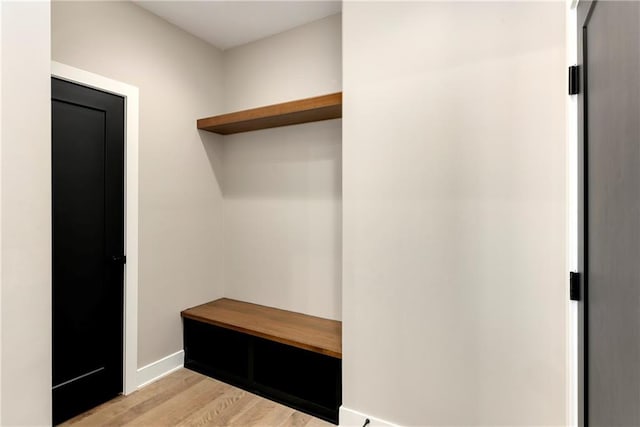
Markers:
(112, 409)
(233, 412)
(315, 422)
(186, 398)
(152, 403)
(296, 419)
(210, 413)
(264, 413)
(179, 407)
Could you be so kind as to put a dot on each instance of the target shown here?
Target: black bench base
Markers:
(304, 380)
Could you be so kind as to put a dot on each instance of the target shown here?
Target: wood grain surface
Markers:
(186, 398)
(307, 110)
(316, 334)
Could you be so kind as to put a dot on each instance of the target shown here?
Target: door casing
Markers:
(572, 221)
(131, 95)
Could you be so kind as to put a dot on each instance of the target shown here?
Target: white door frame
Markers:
(130, 94)
(572, 217)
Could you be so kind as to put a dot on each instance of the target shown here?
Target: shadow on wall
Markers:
(293, 162)
(282, 191)
(213, 146)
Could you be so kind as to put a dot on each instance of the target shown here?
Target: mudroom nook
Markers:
(290, 357)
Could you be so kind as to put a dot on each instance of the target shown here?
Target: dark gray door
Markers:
(88, 243)
(609, 52)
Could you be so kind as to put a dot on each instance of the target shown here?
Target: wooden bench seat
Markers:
(287, 327)
(289, 357)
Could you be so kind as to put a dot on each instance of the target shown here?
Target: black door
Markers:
(88, 244)
(609, 57)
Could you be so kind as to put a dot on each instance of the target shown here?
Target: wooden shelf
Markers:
(307, 110)
(311, 333)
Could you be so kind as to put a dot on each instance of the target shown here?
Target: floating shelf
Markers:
(307, 110)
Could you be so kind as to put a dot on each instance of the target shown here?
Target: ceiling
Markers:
(226, 24)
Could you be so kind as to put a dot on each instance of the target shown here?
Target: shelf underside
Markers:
(307, 110)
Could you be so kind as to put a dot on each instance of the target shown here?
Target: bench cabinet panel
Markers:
(307, 381)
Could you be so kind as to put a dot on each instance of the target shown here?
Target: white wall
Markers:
(454, 212)
(298, 63)
(180, 80)
(25, 214)
(282, 187)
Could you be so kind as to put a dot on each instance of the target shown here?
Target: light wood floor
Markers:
(186, 398)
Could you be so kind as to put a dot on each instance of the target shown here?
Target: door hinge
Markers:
(574, 286)
(574, 80)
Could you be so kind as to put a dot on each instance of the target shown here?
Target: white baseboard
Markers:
(351, 418)
(160, 368)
